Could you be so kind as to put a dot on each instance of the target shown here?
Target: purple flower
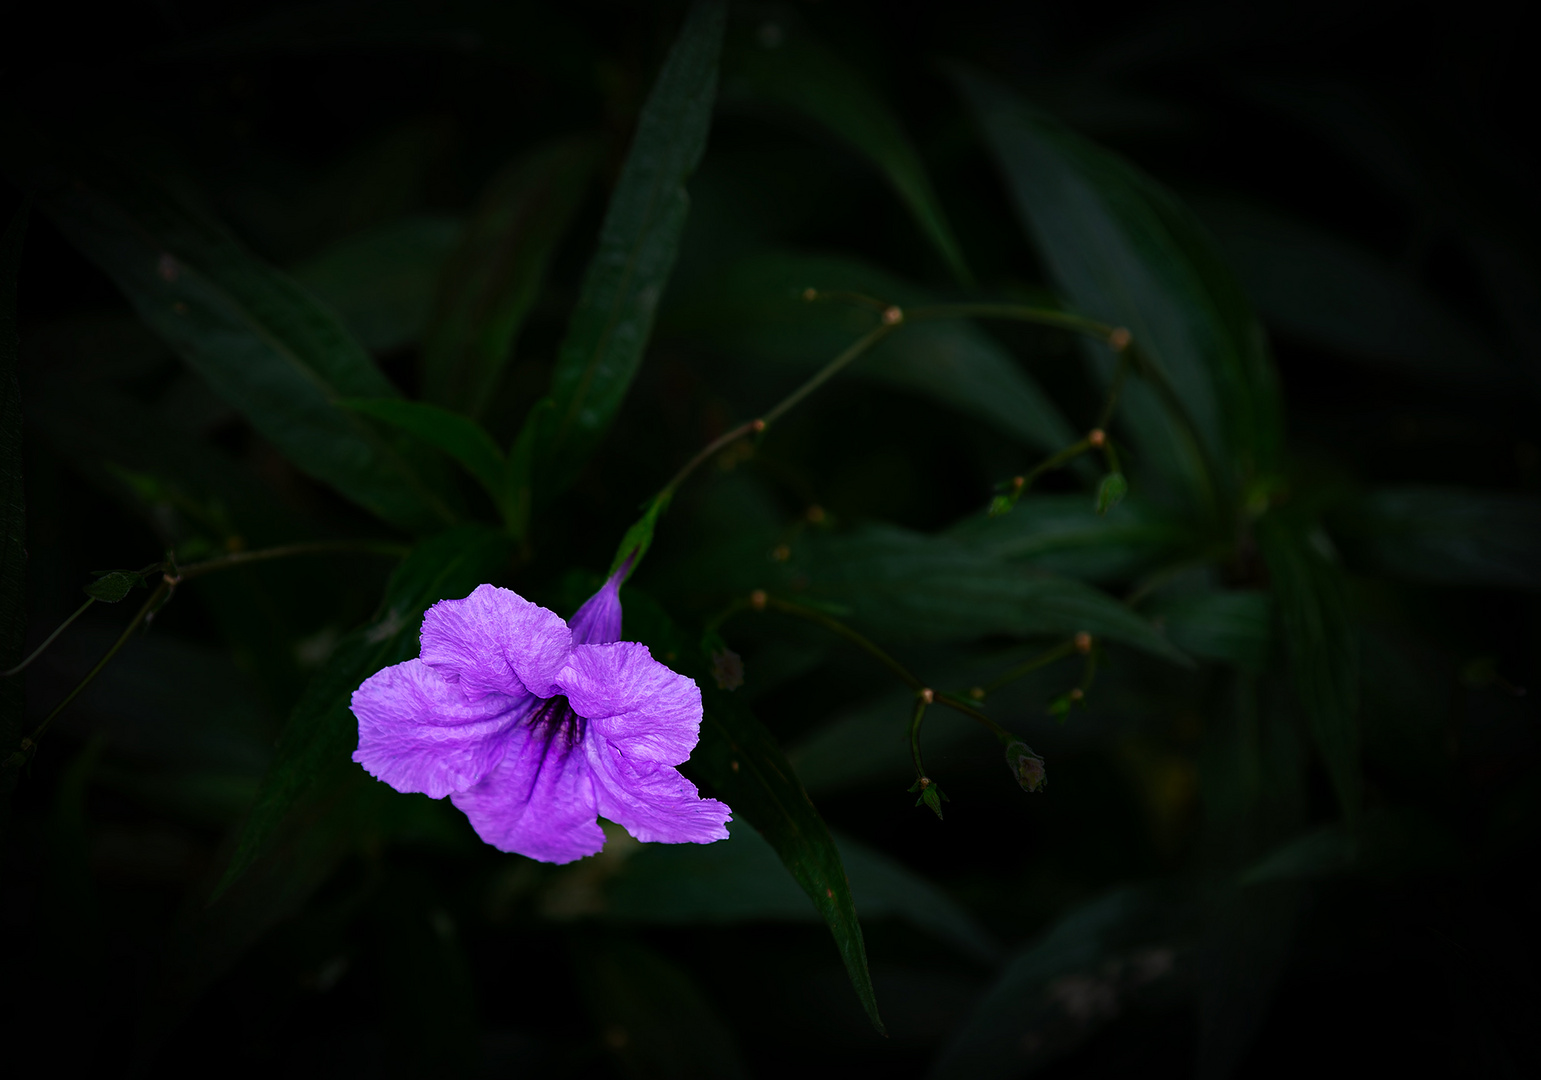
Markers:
(535, 727)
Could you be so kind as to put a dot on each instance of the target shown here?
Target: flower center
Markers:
(554, 718)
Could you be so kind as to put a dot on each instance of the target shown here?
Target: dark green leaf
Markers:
(1111, 491)
(1063, 534)
(13, 506)
(756, 309)
(1323, 650)
(651, 1015)
(313, 760)
(264, 344)
(1449, 536)
(903, 585)
(744, 763)
(458, 436)
(1314, 286)
(792, 70)
(382, 281)
(637, 247)
(1232, 626)
(114, 585)
(496, 272)
(742, 880)
(1245, 947)
(1123, 250)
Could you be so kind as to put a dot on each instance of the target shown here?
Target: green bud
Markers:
(1111, 491)
(931, 794)
(115, 585)
(1026, 766)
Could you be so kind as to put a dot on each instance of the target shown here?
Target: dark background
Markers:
(1404, 133)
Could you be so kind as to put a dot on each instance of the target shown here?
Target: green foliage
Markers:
(637, 247)
(458, 436)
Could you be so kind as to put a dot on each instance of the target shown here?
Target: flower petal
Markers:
(418, 731)
(598, 621)
(539, 801)
(650, 712)
(653, 801)
(496, 641)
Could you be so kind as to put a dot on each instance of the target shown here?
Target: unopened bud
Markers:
(810, 293)
(1076, 694)
(1026, 766)
(757, 599)
(1119, 339)
(927, 695)
(757, 426)
(893, 316)
(781, 553)
(1017, 482)
(727, 669)
(977, 693)
(815, 514)
(1083, 642)
(1097, 437)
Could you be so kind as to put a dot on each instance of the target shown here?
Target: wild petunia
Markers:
(535, 727)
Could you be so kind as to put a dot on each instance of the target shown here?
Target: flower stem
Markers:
(1023, 313)
(81, 610)
(1059, 652)
(920, 712)
(318, 547)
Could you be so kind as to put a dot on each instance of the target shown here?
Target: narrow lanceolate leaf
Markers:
(495, 272)
(1123, 250)
(790, 70)
(263, 343)
(1312, 602)
(458, 436)
(741, 759)
(13, 508)
(315, 748)
(637, 247)
(755, 309)
(1449, 536)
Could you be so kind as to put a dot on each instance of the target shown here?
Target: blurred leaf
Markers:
(652, 1016)
(1063, 986)
(756, 309)
(744, 763)
(637, 246)
(495, 272)
(1316, 854)
(1449, 536)
(1234, 626)
(114, 585)
(1064, 535)
(904, 585)
(382, 281)
(1314, 286)
(1321, 645)
(458, 436)
(742, 880)
(260, 340)
(13, 507)
(1245, 948)
(1123, 250)
(787, 67)
(316, 745)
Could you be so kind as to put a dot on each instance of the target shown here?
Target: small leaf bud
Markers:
(780, 553)
(757, 426)
(757, 599)
(1119, 339)
(1077, 694)
(1083, 642)
(927, 695)
(977, 693)
(893, 316)
(1026, 766)
(810, 293)
(1097, 437)
(815, 514)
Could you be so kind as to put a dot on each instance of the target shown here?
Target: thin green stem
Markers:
(1020, 313)
(957, 704)
(149, 607)
(706, 452)
(855, 637)
(920, 712)
(1044, 659)
(318, 547)
(1120, 373)
(831, 369)
(81, 610)
(848, 296)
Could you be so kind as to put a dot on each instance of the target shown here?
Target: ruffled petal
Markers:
(539, 801)
(647, 710)
(496, 642)
(418, 731)
(653, 801)
(598, 621)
